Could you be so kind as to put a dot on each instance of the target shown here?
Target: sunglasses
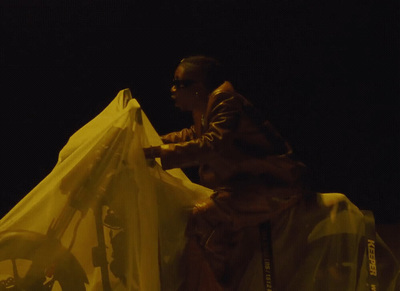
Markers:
(182, 83)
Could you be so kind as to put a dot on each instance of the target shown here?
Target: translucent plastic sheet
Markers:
(59, 233)
(107, 219)
(326, 244)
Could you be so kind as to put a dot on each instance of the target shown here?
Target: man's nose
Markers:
(173, 89)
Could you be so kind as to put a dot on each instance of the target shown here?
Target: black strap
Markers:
(370, 240)
(266, 248)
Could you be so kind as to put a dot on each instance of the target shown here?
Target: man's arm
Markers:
(222, 122)
(185, 134)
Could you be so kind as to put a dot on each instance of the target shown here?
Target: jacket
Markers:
(234, 146)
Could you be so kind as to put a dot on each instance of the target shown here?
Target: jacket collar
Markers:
(226, 87)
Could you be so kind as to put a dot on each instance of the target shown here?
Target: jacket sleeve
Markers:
(222, 121)
(185, 134)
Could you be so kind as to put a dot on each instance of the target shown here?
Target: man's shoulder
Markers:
(226, 94)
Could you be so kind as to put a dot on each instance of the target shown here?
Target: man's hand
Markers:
(152, 152)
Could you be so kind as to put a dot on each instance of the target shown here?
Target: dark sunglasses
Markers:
(182, 83)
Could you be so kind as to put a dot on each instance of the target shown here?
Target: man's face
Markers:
(187, 89)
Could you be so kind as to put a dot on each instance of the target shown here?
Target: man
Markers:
(241, 157)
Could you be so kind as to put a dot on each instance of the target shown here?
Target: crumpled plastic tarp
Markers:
(326, 244)
(106, 219)
(102, 170)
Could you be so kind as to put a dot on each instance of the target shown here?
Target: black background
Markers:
(324, 72)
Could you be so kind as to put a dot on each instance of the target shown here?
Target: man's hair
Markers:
(210, 68)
